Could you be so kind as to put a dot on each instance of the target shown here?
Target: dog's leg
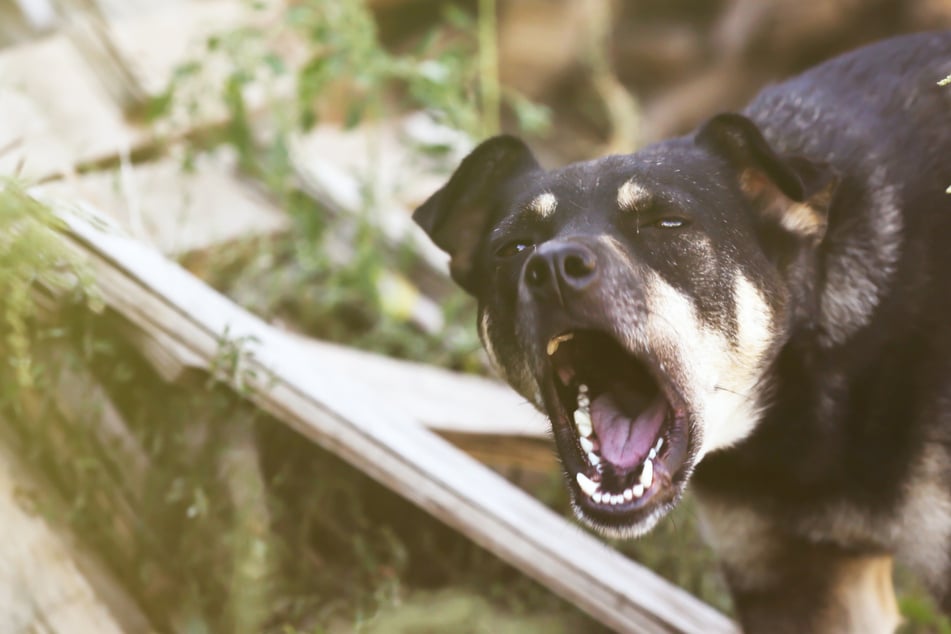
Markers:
(820, 590)
(781, 584)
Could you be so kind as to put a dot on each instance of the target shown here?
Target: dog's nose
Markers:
(561, 266)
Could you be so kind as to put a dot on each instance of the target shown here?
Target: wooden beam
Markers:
(174, 209)
(63, 117)
(337, 411)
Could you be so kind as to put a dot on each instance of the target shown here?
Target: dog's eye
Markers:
(513, 248)
(671, 223)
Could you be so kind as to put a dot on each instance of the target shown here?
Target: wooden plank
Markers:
(173, 209)
(336, 411)
(441, 400)
(55, 120)
(46, 584)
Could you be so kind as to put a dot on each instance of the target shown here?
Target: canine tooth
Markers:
(583, 422)
(647, 474)
(596, 496)
(586, 444)
(637, 490)
(628, 495)
(594, 458)
(554, 342)
(586, 484)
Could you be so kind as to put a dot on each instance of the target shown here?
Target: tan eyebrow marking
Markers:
(630, 195)
(543, 205)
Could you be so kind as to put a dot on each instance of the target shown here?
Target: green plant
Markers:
(314, 57)
(32, 255)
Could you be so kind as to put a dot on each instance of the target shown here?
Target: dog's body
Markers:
(762, 307)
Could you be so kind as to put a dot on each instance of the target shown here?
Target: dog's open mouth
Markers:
(623, 434)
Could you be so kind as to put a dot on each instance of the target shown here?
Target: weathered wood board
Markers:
(173, 209)
(63, 117)
(336, 410)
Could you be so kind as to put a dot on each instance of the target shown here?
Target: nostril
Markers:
(536, 274)
(578, 267)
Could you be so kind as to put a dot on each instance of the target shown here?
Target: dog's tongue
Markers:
(626, 441)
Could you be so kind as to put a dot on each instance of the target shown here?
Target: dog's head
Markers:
(639, 300)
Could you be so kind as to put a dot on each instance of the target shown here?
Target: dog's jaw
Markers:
(713, 388)
(622, 430)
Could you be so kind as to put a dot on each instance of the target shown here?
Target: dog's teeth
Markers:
(660, 443)
(583, 422)
(647, 474)
(587, 485)
(583, 389)
(593, 458)
(628, 495)
(596, 496)
(554, 342)
(652, 454)
(637, 490)
(586, 444)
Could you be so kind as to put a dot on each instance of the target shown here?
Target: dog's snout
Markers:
(562, 267)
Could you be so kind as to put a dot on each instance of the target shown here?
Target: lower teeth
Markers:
(592, 488)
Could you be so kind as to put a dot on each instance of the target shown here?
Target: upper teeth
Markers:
(554, 342)
(583, 422)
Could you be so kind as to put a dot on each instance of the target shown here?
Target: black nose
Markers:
(561, 267)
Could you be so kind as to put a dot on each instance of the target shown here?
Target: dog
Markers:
(762, 309)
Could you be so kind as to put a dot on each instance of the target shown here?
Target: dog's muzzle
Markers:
(619, 422)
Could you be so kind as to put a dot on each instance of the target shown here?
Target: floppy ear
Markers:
(793, 191)
(457, 216)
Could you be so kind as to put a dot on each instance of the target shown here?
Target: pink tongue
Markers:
(625, 442)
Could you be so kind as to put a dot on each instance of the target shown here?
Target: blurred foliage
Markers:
(318, 59)
(31, 254)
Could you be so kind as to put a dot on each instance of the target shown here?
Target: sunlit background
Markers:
(276, 150)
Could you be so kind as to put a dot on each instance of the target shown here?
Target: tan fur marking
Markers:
(754, 319)
(861, 599)
(800, 218)
(864, 597)
(719, 380)
(630, 195)
(487, 343)
(544, 205)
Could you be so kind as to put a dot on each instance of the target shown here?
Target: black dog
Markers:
(762, 307)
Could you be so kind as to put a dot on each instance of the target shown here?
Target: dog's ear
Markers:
(794, 191)
(457, 216)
